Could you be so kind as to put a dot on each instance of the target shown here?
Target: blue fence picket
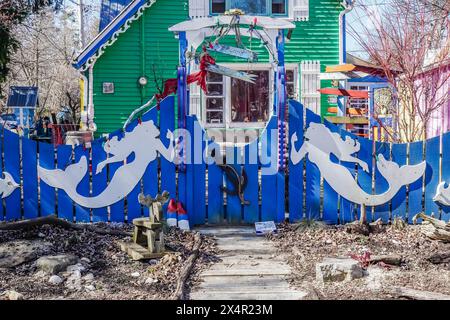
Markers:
(12, 166)
(134, 208)
(2, 213)
(215, 194)
(269, 172)
(446, 171)
(47, 193)
(30, 181)
(251, 192)
(65, 204)
(381, 185)
(399, 156)
(348, 210)
(432, 156)
(150, 179)
(312, 178)
(198, 216)
(330, 197)
(234, 207)
(99, 181)
(415, 203)
(82, 214)
(296, 170)
(364, 177)
(190, 204)
(167, 122)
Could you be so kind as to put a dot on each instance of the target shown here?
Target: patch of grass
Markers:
(309, 224)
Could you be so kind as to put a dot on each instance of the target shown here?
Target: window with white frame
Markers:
(310, 84)
(257, 7)
(235, 103)
(358, 103)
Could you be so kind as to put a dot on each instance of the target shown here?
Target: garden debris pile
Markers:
(307, 246)
(102, 271)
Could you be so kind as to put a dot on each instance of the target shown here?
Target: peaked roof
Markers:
(110, 33)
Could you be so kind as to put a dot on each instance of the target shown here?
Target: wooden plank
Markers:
(347, 120)
(295, 171)
(415, 204)
(246, 54)
(47, 193)
(99, 181)
(432, 157)
(167, 122)
(399, 156)
(365, 178)
(234, 207)
(199, 196)
(269, 173)
(65, 204)
(312, 178)
(30, 180)
(215, 194)
(348, 210)
(330, 197)
(150, 180)
(340, 68)
(82, 214)
(12, 166)
(251, 192)
(189, 166)
(134, 208)
(446, 171)
(381, 185)
(117, 209)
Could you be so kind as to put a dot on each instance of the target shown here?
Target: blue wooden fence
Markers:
(298, 190)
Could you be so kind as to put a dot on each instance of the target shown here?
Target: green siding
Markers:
(122, 63)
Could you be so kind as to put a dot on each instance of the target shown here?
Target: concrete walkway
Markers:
(250, 269)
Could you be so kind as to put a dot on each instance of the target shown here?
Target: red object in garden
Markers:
(346, 93)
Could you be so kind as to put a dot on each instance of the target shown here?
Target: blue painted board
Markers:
(167, 122)
(117, 209)
(365, 178)
(234, 207)
(445, 213)
(399, 156)
(251, 192)
(432, 175)
(150, 178)
(381, 185)
(47, 193)
(415, 203)
(269, 147)
(82, 214)
(312, 177)
(198, 216)
(215, 194)
(30, 181)
(134, 208)
(99, 181)
(189, 187)
(330, 197)
(12, 166)
(2, 213)
(295, 171)
(65, 204)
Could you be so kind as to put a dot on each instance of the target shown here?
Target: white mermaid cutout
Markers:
(7, 185)
(320, 143)
(143, 141)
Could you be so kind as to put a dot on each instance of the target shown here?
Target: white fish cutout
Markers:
(143, 141)
(7, 185)
(320, 143)
(442, 194)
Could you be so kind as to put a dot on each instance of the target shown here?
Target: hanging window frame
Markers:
(268, 11)
(228, 123)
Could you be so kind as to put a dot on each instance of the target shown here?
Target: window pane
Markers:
(290, 90)
(289, 75)
(278, 6)
(214, 103)
(250, 102)
(218, 6)
(214, 117)
(249, 6)
(215, 89)
(214, 77)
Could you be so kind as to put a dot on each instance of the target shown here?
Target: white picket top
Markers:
(198, 8)
(301, 10)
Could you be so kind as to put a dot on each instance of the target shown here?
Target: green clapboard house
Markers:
(134, 53)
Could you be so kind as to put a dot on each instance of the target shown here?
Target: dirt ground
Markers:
(306, 246)
(107, 272)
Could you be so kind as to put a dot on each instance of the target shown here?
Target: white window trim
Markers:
(228, 124)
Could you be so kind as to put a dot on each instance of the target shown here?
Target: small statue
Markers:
(154, 205)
